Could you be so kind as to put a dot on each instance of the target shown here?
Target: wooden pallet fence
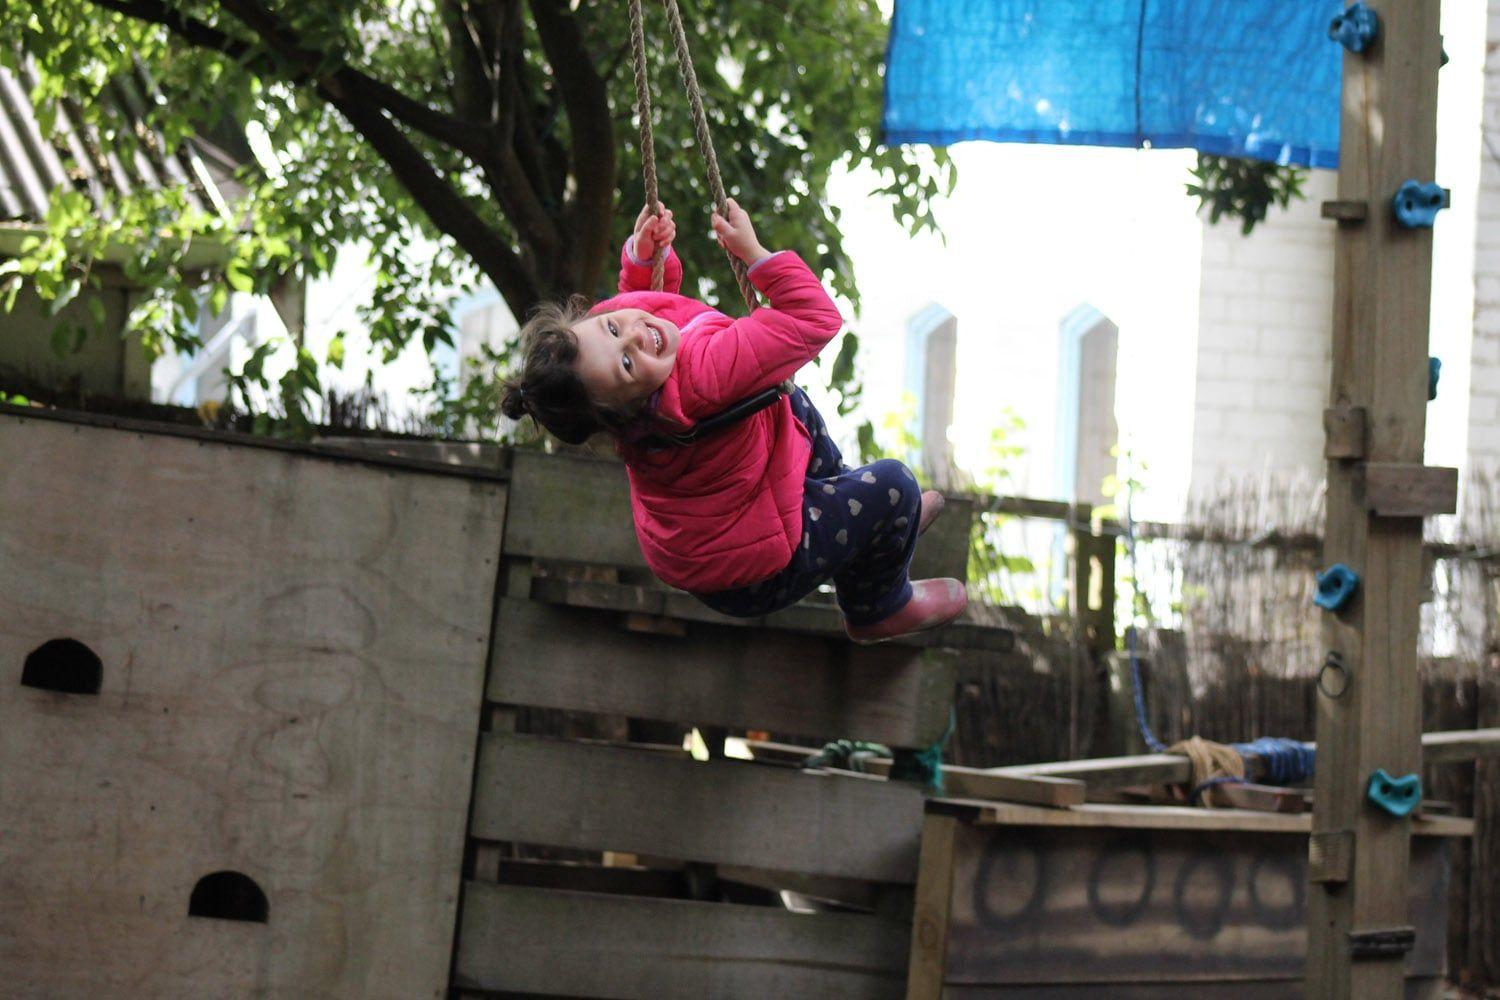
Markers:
(612, 798)
(569, 658)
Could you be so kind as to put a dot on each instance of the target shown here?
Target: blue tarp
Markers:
(1248, 78)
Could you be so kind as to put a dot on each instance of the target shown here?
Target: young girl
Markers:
(752, 517)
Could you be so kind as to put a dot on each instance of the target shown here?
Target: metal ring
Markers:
(1334, 662)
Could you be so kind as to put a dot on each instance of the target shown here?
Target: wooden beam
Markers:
(1345, 211)
(961, 782)
(1381, 306)
(538, 942)
(1111, 772)
(548, 656)
(1173, 769)
(978, 783)
(598, 797)
(1144, 817)
(1460, 746)
(933, 910)
(809, 616)
(1395, 489)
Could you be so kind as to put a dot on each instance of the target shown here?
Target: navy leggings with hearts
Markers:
(859, 529)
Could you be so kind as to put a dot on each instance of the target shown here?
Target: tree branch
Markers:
(586, 102)
(443, 205)
(190, 29)
(361, 99)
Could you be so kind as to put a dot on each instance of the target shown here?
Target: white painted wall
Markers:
(1265, 313)
(1483, 417)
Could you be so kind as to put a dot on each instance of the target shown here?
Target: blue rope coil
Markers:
(1287, 762)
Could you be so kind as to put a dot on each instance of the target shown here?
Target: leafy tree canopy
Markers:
(498, 131)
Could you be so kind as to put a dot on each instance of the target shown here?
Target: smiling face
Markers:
(624, 356)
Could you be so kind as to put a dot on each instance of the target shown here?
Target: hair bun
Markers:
(513, 402)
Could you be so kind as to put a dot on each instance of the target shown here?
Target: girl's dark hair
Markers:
(546, 387)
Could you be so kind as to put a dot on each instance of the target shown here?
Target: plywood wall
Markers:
(293, 654)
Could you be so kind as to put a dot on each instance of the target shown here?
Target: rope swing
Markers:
(700, 131)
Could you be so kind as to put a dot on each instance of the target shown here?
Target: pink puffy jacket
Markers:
(726, 511)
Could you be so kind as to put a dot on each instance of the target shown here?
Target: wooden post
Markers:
(1382, 287)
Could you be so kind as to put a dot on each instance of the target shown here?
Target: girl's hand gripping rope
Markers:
(653, 231)
(737, 235)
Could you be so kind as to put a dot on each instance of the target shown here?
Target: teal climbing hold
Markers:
(1355, 28)
(1434, 369)
(1336, 585)
(1417, 205)
(1397, 796)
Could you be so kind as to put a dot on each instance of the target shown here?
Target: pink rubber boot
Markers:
(932, 506)
(933, 603)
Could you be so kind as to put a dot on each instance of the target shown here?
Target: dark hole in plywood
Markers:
(63, 665)
(228, 896)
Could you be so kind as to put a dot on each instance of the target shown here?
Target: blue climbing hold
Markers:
(1397, 796)
(1336, 585)
(1355, 28)
(1434, 369)
(1417, 205)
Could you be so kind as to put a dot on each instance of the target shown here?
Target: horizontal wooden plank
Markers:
(977, 783)
(1130, 817)
(1287, 988)
(1395, 489)
(599, 797)
(212, 436)
(1345, 211)
(572, 508)
(1291, 988)
(1101, 773)
(467, 454)
(809, 616)
(549, 943)
(1458, 746)
(960, 782)
(557, 657)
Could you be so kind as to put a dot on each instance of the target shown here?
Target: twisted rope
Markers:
(648, 144)
(705, 142)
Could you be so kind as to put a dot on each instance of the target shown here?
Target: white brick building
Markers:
(1265, 314)
(1483, 422)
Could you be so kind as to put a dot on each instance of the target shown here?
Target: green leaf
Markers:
(238, 277)
(336, 350)
(65, 294)
(66, 339)
(9, 289)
